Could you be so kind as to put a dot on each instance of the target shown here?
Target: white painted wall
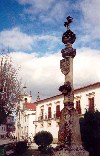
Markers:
(84, 104)
(53, 128)
(25, 120)
(36, 126)
(84, 98)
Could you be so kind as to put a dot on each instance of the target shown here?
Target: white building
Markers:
(7, 127)
(25, 117)
(48, 110)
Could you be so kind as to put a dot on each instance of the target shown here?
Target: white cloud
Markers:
(43, 73)
(42, 4)
(91, 17)
(86, 67)
(38, 4)
(57, 13)
(46, 11)
(53, 12)
(40, 73)
(19, 41)
(15, 39)
(49, 41)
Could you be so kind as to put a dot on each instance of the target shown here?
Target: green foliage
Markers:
(90, 132)
(43, 138)
(21, 147)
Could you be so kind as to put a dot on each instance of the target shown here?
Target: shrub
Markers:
(9, 149)
(43, 139)
(90, 132)
(21, 147)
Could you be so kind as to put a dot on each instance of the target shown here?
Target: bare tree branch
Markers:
(9, 86)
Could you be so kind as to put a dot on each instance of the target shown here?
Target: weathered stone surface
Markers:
(64, 152)
(69, 137)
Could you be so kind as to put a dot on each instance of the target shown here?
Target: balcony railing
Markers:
(49, 117)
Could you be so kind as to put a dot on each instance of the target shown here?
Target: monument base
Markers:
(74, 151)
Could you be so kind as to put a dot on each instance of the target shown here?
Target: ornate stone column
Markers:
(69, 138)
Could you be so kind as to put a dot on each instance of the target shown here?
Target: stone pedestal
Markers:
(80, 152)
(69, 138)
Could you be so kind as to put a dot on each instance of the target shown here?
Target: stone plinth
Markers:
(69, 137)
(73, 152)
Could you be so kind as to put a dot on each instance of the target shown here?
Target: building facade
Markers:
(25, 116)
(7, 128)
(46, 113)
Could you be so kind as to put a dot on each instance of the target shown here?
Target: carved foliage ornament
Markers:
(66, 88)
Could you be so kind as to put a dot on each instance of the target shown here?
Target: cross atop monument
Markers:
(67, 23)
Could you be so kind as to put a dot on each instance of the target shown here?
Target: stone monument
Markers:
(69, 137)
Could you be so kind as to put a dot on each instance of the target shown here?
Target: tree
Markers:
(90, 132)
(9, 87)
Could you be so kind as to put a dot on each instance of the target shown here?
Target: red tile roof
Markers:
(30, 106)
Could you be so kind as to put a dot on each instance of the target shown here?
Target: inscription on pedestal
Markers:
(65, 66)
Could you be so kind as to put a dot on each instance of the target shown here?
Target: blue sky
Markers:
(43, 18)
(32, 30)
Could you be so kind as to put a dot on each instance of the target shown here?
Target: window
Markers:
(91, 101)
(49, 112)
(41, 114)
(78, 106)
(57, 111)
(91, 104)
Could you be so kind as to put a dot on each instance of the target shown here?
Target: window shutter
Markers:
(57, 111)
(91, 104)
(49, 112)
(78, 107)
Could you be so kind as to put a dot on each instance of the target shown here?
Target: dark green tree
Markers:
(90, 132)
(43, 139)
